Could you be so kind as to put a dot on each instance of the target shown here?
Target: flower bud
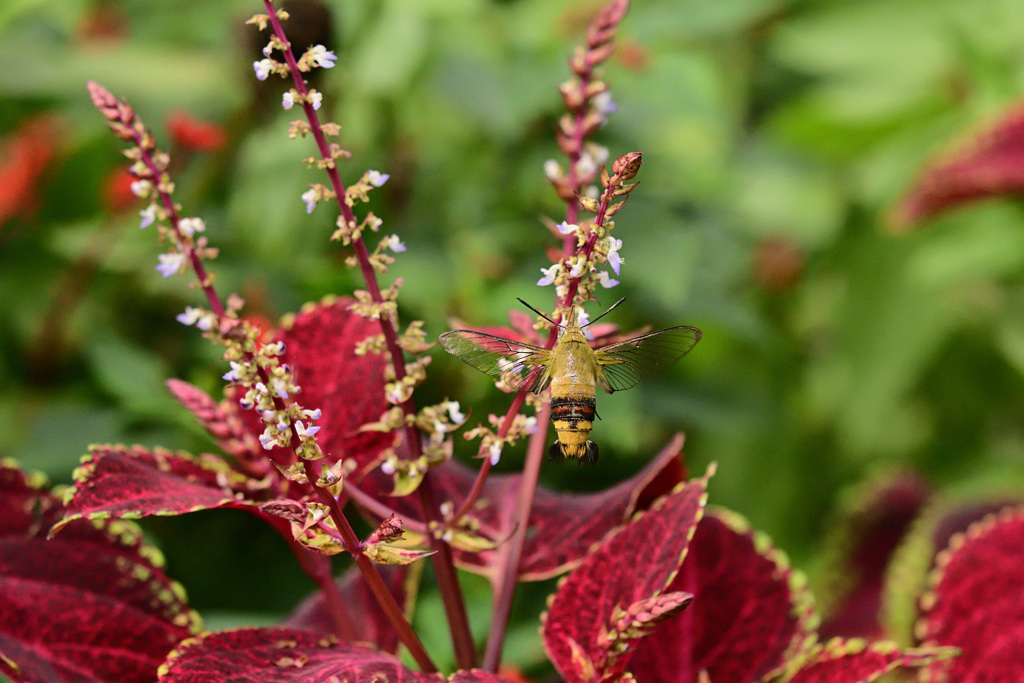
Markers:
(628, 165)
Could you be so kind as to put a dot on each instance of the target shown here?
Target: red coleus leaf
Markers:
(865, 538)
(27, 508)
(750, 611)
(90, 605)
(992, 164)
(320, 344)
(855, 661)
(908, 574)
(564, 526)
(976, 603)
(115, 481)
(601, 606)
(277, 655)
(369, 622)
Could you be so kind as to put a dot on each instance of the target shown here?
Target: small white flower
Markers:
(316, 98)
(260, 387)
(614, 260)
(321, 56)
(495, 451)
(439, 429)
(604, 103)
(530, 425)
(388, 466)
(171, 264)
(376, 178)
(280, 387)
(268, 49)
(576, 270)
(311, 197)
(140, 188)
(274, 348)
(269, 415)
(549, 275)
(605, 280)
(305, 432)
(288, 99)
(282, 424)
(448, 535)
(318, 514)
(263, 68)
(552, 169)
(312, 414)
(566, 228)
(394, 244)
(454, 411)
(148, 216)
(394, 395)
(582, 317)
(267, 441)
(190, 316)
(586, 164)
(191, 226)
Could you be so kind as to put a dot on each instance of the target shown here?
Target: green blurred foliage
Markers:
(776, 136)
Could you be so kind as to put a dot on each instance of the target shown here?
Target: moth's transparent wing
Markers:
(625, 363)
(519, 366)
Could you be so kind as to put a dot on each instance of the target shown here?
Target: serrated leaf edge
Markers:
(657, 505)
(802, 604)
(974, 532)
(90, 459)
(634, 500)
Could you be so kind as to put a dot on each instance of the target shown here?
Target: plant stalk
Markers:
(528, 486)
(513, 551)
(485, 467)
(376, 584)
(444, 567)
(318, 568)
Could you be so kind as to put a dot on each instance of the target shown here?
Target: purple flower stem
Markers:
(444, 566)
(511, 553)
(528, 487)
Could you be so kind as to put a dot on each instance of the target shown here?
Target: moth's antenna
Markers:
(610, 308)
(539, 313)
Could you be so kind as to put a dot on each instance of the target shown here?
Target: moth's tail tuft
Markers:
(555, 453)
(581, 453)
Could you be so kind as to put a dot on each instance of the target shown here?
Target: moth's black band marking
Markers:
(573, 410)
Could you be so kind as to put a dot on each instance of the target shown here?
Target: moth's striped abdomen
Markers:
(573, 418)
